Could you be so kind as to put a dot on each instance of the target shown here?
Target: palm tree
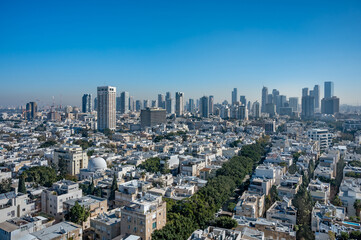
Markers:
(357, 206)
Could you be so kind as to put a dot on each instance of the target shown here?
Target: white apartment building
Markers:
(53, 198)
(106, 107)
(322, 136)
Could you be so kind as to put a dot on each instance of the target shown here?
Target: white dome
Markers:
(96, 164)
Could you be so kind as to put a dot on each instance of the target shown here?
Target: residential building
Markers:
(87, 103)
(70, 158)
(179, 104)
(107, 225)
(106, 108)
(52, 199)
(250, 205)
(62, 230)
(143, 216)
(283, 211)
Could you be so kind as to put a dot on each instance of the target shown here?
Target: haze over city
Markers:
(65, 49)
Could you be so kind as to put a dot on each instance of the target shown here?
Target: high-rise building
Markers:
(138, 105)
(204, 108)
(304, 92)
(179, 104)
(316, 94)
(146, 104)
(161, 103)
(154, 104)
(31, 110)
(191, 106)
(242, 113)
(234, 96)
(131, 104)
(270, 99)
(330, 105)
(169, 104)
(95, 103)
(243, 100)
(275, 94)
(328, 90)
(256, 109)
(87, 103)
(293, 103)
(124, 102)
(150, 117)
(106, 108)
(264, 99)
(211, 104)
(308, 105)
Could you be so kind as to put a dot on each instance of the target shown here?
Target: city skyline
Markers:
(195, 48)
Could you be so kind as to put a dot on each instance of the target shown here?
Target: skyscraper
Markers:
(243, 100)
(304, 92)
(308, 104)
(191, 105)
(242, 113)
(161, 103)
(264, 99)
(31, 110)
(330, 105)
(211, 104)
(234, 96)
(179, 103)
(328, 90)
(204, 108)
(169, 105)
(87, 103)
(124, 102)
(293, 103)
(106, 108)
(316, 94)
(256, 109)
(95, 103)
(138, 105)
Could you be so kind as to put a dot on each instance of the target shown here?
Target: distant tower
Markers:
(191, 106)
(204, 108)
(234, 96)
(169, 103)
(106, 108)
(293, 103)
(328, 90)
(316, 94)
(211, 104)
(31, 110)
(308, 104)
(124, 102)
(161, 103)
(87, 103)
(256, 109)
(264, 99)
(243, 100)
(179, 103)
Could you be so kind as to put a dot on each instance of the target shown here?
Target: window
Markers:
(154, 225)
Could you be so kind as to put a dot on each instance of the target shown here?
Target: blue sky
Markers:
(67, 48)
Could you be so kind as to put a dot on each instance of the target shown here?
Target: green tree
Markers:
(91, 187)
(113, 188)
(357, 206)
(21, 187)
(77, 214)
(225, 222)
(5, 185)
(42, 175)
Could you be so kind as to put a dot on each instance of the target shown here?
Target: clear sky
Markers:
(67, 48)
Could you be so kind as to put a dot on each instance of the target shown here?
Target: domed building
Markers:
(96, 168)
(97, 164)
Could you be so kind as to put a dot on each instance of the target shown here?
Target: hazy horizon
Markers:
(65, 49)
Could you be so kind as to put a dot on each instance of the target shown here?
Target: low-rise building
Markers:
(52, 199)
(320, 191)
(106, 225)
(62, 230)
(289, 185)
(95, 205)
(13, 204)
(250, 205)
(282, 211)
(143, 216)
